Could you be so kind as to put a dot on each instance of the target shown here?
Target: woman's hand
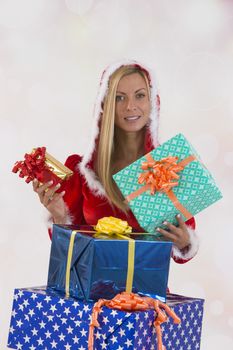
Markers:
(178, 235)
(52, 201)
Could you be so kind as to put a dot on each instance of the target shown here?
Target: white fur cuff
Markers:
(193, 247)
(67, 221)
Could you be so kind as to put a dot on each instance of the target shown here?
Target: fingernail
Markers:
(62, 193)
(178, 215)
(58, 185)
(165, 222)
(158, 229)
(50, 182)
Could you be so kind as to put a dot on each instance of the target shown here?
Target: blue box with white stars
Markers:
(44, 320)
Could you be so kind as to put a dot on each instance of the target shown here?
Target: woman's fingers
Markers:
(180, 221)
(55, 198)
(45, 192)
(48, 194)
(167, 235)
(45, 187)
(172, 228)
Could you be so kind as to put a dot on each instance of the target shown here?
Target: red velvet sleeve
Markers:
(73, 191)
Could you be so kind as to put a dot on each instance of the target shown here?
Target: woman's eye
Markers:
(140, 95)
(119, 98)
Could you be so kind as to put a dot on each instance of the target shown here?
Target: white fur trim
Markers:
(91, 180)
(68, 220)
(193, 248)
(88, 174)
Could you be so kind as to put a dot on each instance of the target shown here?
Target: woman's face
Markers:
(132, 103)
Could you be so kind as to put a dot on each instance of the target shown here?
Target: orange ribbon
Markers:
(161, 176)
(133, 302)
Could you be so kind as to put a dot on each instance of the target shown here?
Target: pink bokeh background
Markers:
(52, 54)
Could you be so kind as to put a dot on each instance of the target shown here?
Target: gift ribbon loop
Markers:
(161, 176)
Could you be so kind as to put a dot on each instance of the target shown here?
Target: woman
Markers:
(126, 117)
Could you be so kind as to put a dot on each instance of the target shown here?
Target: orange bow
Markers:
(161, 175)
(133, 302)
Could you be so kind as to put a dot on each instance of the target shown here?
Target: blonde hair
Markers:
(106, 138)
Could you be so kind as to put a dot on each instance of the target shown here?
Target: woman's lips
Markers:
(132, 118)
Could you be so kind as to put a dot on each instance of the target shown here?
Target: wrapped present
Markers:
(43, 319)
(169, 180)
(90, 268)
(40, 165)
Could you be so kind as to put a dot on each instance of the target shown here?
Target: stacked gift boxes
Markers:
(84, 268)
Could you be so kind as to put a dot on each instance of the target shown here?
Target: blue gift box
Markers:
(43, 320)
(99, 267)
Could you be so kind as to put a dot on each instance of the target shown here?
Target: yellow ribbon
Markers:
(107, 228)
(68, 264)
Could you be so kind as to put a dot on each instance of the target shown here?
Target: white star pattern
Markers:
(26, 339)
(53, 308)
(113, 313)
(105, 320)
(32, 348)
(75, 304)
(53, 344)
(43, 321)
(128, 343)
(34, 331)
(86, 308)
(111, 329)
(83, 332)
(25, 303)
(14, 313)
(19, 323)
(69, 330)
(122, 332)
(39, 306)
(48, 334)
(129, 325)
(67, 311)
(40, 341)
(61, 337)
(114, 339)
(56, 327)
(75, 340)
(42, 324)
(11, 330)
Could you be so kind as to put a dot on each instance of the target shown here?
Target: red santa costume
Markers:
(85, 196)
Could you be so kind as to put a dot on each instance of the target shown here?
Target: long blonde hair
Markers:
(104, 166)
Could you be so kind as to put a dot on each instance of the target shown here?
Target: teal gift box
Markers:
(195, 191)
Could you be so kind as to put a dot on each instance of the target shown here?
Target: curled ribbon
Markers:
(41, 165)
(133, 302)
(33, 163)
(160, 175)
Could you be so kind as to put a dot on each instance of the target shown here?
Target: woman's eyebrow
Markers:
(123, 93)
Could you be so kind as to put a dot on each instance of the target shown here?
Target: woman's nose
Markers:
(130, 104)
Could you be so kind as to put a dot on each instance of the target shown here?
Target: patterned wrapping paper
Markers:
(196, 189)
(44, 320)
(99, 267)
